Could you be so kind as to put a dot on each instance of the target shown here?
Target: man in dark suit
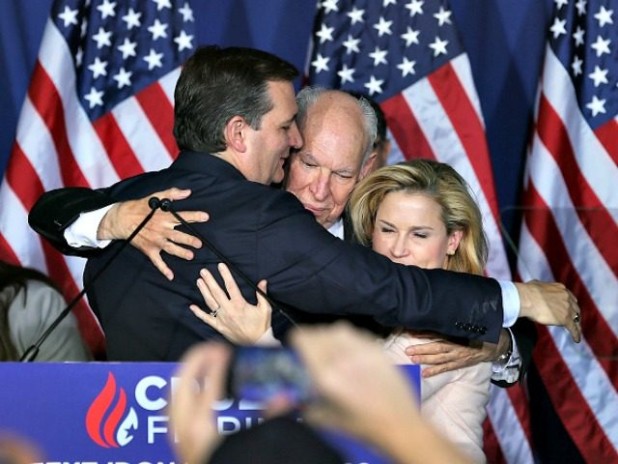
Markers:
(235, 124)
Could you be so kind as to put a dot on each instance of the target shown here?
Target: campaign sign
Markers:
(115, 413)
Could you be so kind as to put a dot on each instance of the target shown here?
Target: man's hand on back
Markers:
(159, 234)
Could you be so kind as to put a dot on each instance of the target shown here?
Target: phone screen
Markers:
(261, 373)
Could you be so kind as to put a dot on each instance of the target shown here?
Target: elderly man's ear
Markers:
(367, 167)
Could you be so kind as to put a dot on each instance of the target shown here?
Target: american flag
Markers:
(98, 109)
(406, 54)
(570, 228)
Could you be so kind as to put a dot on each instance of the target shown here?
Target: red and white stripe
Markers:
(569, 235)
(507, 430)
(440, 118)
(56, 145)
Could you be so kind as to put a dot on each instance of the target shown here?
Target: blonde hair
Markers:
(438, 181)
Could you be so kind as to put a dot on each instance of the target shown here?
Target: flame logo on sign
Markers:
(107, 422)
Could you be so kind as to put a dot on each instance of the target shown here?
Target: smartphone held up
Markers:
(261, 374)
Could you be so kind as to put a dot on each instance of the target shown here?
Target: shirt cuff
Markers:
(83, 232)
(509, 370)
(510, 303)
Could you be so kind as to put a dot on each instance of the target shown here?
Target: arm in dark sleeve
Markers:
(310, 270)
(57, 209)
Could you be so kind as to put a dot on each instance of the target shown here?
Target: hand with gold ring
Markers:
(214, 312)
(550, 303)
(234, 317)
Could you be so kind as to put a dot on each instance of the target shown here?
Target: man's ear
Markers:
(235, 134)
(367, 166)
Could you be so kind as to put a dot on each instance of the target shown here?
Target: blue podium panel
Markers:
(115, 413)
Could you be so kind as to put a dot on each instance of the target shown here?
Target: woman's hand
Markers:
(234, 317)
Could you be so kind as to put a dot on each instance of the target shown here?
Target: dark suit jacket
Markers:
(268, 235)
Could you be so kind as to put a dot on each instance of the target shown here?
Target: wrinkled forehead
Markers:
(337, 147)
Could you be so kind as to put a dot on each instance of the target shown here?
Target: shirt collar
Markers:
(337, 229)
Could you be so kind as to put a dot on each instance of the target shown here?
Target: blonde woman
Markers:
(422, 213)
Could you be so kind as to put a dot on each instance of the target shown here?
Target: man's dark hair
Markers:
(217, 84)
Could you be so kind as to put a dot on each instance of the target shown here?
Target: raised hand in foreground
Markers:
(362, 392)
(358, 388)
